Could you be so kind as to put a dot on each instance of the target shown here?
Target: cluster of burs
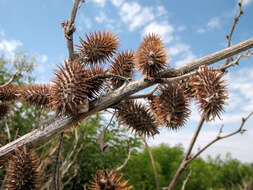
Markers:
(82, 80)
(78, 82)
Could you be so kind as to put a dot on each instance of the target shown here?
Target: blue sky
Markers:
(190, 29)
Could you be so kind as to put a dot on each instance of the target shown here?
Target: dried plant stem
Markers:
(101, 137)
(69, 29)
(104, 76)
(153, 164)
(15, 75)
(187, 155)
(145, 95)
(236, 61)
(56, 168)
(187, 179)
(59, 124)
(124, 164)
(229, 36)
(219, 137)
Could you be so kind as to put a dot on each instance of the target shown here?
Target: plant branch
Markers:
(229, 36)
(185, 161)
(15, 75)
(187, 179)
(104, 76)
(187, 158)
(56, 169)
(153, 164)
(236, 61)
(69, 28)
(124, 164)
(59, 124)
(219, 137)
(145, 95)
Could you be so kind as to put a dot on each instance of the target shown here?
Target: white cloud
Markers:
(2, 33)
(117, 3)
(8, 47)
(161, 10)
(181, 28)
(186, 58)
(247, 2)
(43, 58)
(103, 18)
(177, 49)
(201, 30)
(136, 16)
(85, 21)
(163, 29)
(213, 23)
(101, 3)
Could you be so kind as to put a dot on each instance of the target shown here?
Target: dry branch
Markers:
(59, 124)
(69, 28)
(158, 187)
(188, 157)
(229, 36)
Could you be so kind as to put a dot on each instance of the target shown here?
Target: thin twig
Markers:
(124, 164)
(188, 159)
(236, 61)
(153, 164)
(187, 155)
(69, 28)
(219, 137)
(101, 137)
(145, 95)
(56, 169)
(229, 36)
(194, 138)
(15, 75)
(104, 76)
(187, 179)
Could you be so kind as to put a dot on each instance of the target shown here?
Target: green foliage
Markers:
(206, 174)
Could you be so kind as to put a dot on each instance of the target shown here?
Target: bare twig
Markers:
(104, 76)
(219, 137)
(236, 61)
(187, 179)
(187, 156)
(15, 75)
(145, 95)
(101, 137)
(124, 164)
(56, 169)
(69, 28)
(153, 164)
(229, 36)
(59, 124)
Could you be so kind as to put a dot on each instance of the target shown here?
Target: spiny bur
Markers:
(98, 47)
(38, 95)
(4, 110)
(69, 91)
(137, 117)
(210, 92)
(151, 56)
(105, 180)
(170, 106)
(94, 86)
(22, 172)
(8, 93)
(123, 65)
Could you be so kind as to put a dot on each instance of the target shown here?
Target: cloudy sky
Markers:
(190, 30)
